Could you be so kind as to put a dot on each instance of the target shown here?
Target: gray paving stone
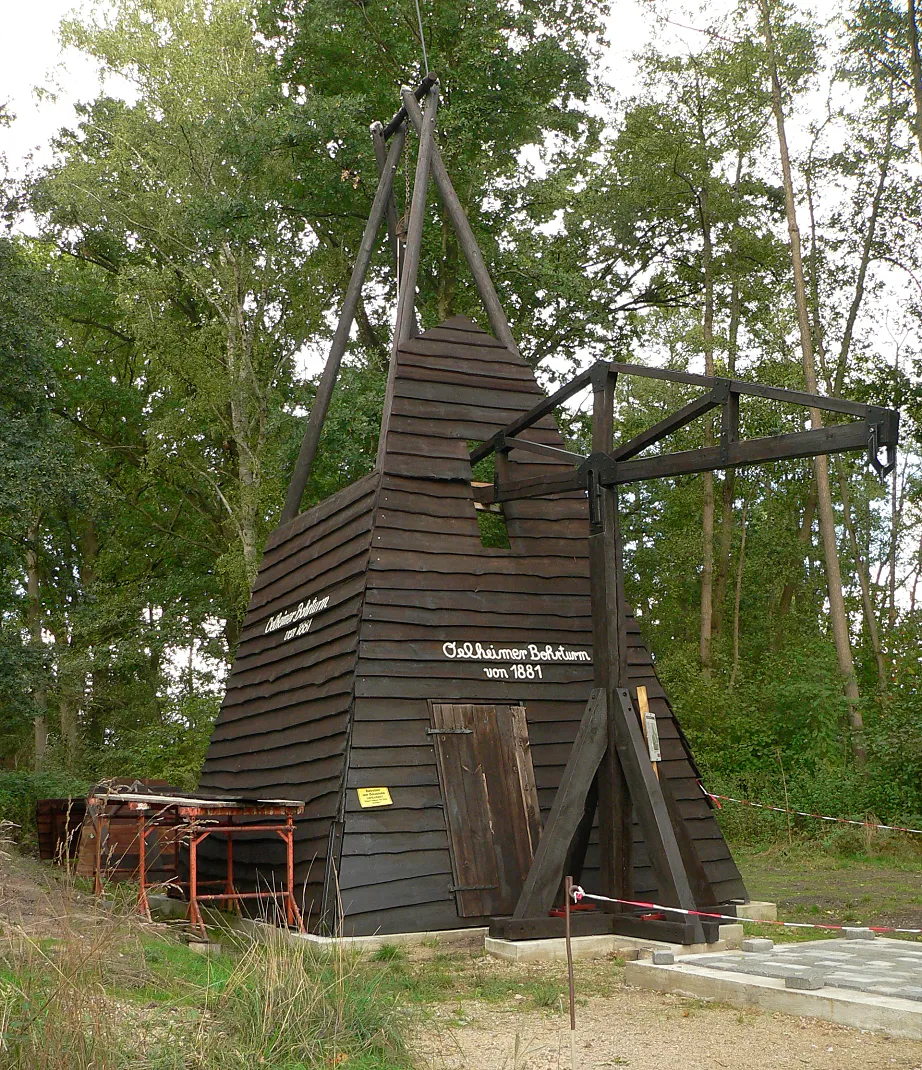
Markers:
(878, 967)
(757, 943)
(808, 981)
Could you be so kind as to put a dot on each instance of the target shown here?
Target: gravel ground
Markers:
(650, 1031)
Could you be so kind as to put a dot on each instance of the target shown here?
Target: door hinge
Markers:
(472, 887)
(449, 731)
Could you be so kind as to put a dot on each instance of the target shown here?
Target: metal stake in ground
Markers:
(568, 899)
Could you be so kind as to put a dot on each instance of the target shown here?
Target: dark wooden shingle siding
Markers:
(283, 726)
(347, 705)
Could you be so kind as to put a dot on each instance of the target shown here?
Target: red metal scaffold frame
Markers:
(199, 818)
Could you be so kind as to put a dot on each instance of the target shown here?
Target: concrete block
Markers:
(165, 907)
(757, 911)
(663, 958)
(757, 943)
(628, 954)
(808, 981)
(205, 947)
(732, 935)
(859, 934)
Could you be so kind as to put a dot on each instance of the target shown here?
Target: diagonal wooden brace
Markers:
(651, 810)
(546, 872)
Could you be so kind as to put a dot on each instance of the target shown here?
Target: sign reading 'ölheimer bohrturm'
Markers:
(301, 617)
(526, 659)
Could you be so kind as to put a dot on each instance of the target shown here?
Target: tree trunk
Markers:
(728, 490)
(34, 620)
(864, 581)
(707, 505)
(838, 617)
(737, 594)
(915, 67)
(787, 592)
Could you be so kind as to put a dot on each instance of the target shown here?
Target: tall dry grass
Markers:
(111, 993)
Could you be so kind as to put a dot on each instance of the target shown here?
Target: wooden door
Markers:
(491, 803)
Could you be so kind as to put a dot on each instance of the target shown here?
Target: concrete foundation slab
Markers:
(441, 937)
(867, 985)
(757, 911)
(589, 947)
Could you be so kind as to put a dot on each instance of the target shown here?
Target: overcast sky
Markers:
(30, 56)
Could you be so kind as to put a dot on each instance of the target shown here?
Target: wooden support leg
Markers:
(97, 859)
(545, 874)
(652, 812)
(616, 834)
(341, 337)
(466, 239)
(576, 857)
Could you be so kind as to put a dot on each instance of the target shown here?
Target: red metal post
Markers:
(195, 916)
(229, 883)
(143, 904)
(97, 881)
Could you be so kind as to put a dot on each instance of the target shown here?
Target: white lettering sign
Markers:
(301, 616)
(529, 652)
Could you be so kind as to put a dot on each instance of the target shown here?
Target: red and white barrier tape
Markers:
(804, 813)
(579, 895)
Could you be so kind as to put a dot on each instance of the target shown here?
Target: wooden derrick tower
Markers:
(461, 720)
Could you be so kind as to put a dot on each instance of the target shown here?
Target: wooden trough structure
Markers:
(460, 719)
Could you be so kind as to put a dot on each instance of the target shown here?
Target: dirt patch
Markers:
(651, 1031)
(35, 898)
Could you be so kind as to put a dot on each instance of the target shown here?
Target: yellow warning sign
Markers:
(374, 797)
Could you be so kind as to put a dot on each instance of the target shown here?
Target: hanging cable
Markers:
(422, 40)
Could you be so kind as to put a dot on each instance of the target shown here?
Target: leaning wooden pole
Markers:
(411, 257)
(324, 394)
(472, 254)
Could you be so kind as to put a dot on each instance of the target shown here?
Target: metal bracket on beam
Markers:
(883, 433)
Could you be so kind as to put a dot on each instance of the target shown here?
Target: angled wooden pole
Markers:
(390, 209)
(321, 404)
(411, 257)
(543, 880)
(472, 254)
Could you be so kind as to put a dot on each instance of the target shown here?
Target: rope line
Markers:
(805, 813)
(422, 40)
(579, 894)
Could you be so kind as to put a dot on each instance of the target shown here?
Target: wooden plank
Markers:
(544, 877)
(274, 562)
(322, 510)
(459, 337)
(526, 776)
(497, 377)
(474, 397)
(464, 793)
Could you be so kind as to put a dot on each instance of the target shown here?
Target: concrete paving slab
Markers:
(869, 985)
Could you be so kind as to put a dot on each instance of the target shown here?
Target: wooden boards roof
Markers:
(361, 616)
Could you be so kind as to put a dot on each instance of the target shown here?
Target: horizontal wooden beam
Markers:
(539, 487)
(756, 390)
(851, 436)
